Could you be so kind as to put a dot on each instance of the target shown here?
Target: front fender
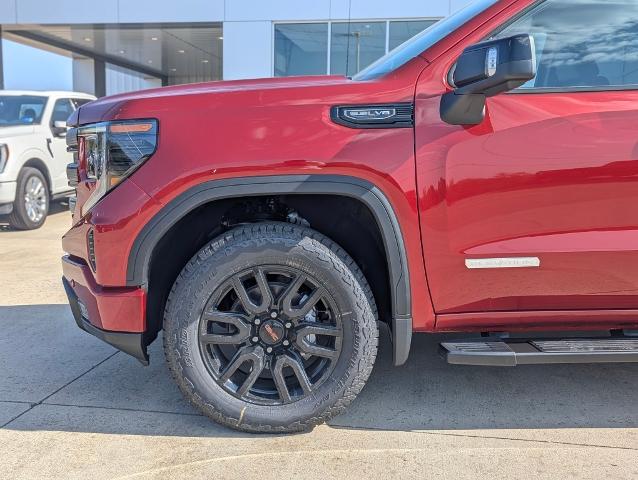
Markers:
(145, 242)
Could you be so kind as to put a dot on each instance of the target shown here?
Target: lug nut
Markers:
(257, 321)
(288, 325)
(255, 339)
(269, 350)
(286, 343)
(273, 314)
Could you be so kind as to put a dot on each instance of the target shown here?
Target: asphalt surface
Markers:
(72, 407)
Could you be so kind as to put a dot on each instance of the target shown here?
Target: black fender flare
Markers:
(362, 190)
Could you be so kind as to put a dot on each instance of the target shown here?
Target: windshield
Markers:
(424, 40)
(21, 109)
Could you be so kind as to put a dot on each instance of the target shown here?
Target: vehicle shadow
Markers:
(76, 383)
(428, 394)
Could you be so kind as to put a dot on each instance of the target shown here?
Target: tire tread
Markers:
(327, 250)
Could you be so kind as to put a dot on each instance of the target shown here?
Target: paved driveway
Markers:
(72, 407)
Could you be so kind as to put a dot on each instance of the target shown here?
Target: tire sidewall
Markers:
(214, 267)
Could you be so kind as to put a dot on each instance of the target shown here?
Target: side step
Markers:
(509, 352)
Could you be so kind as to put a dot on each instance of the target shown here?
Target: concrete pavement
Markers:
(72, 407)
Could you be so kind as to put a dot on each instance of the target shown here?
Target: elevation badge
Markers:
(373, 114)
(394, 115)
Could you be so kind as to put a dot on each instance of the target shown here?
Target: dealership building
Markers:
(123, 45)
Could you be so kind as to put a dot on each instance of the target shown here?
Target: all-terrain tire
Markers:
(291, 246)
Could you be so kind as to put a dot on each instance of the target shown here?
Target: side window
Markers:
(581, 43)
(62, 110)
(78, 102)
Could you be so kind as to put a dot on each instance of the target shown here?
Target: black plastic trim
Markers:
(364, 191)
(130, 343)
(72, 174)
(402, 118)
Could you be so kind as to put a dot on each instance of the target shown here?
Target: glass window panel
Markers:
(421, 42)
(580, 43)
(401, 31)
(62, 109)
(301, 49)
(21, 109)
(356, 46)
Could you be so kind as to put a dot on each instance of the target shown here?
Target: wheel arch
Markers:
(141, 253)
(38, 164)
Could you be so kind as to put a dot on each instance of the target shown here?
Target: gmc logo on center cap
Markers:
(272, 333)
(369, 113)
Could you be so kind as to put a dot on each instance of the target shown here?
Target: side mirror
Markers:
(484, 70)
(59, 128)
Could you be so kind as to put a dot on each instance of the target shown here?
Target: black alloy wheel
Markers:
(271, 327)
(270, 335)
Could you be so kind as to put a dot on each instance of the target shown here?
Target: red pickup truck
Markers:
(479, 178)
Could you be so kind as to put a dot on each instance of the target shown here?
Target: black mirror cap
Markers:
(484, 70)
(59, 132)
(496, 66)
(468, 109)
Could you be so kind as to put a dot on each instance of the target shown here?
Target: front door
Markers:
(62, 110)
(536, 208)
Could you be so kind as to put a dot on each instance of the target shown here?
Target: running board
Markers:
(509, 352)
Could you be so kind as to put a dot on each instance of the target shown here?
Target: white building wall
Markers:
(118, 81)
(248, 30)
(248, 49)
(66, 11)
(8, 11)
(142, 11)
(170, 11)
(83, 77)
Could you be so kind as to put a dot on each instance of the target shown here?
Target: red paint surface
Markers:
(547, 175)
(112, 309)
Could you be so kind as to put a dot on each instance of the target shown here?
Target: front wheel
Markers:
(271, 327)
(31, 205)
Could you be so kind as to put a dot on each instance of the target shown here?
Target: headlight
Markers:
(111, 151)
(4, 156)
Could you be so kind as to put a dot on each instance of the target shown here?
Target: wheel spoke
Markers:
(264, 289)
(318, 351)
(309, 348)
(279, 379)
(238, 321)
(291, 292)
(286, 298)
(254, 355)
(297, 367)
(300, 373)
(308, 328)
(255, 371)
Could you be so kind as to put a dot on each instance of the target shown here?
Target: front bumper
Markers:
(114, 315)
(7, 196)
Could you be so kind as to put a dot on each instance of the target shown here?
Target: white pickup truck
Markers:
(33, 156)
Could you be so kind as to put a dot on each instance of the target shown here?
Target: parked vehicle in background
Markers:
(480, 178)
(33, 156)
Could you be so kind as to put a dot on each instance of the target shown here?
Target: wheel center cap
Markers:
(271, 332)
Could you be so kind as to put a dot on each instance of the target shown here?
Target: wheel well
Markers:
(345, 220)
(41, 166)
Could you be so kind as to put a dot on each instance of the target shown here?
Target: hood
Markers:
(227, 86)
(108, 107)
(16, 131)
